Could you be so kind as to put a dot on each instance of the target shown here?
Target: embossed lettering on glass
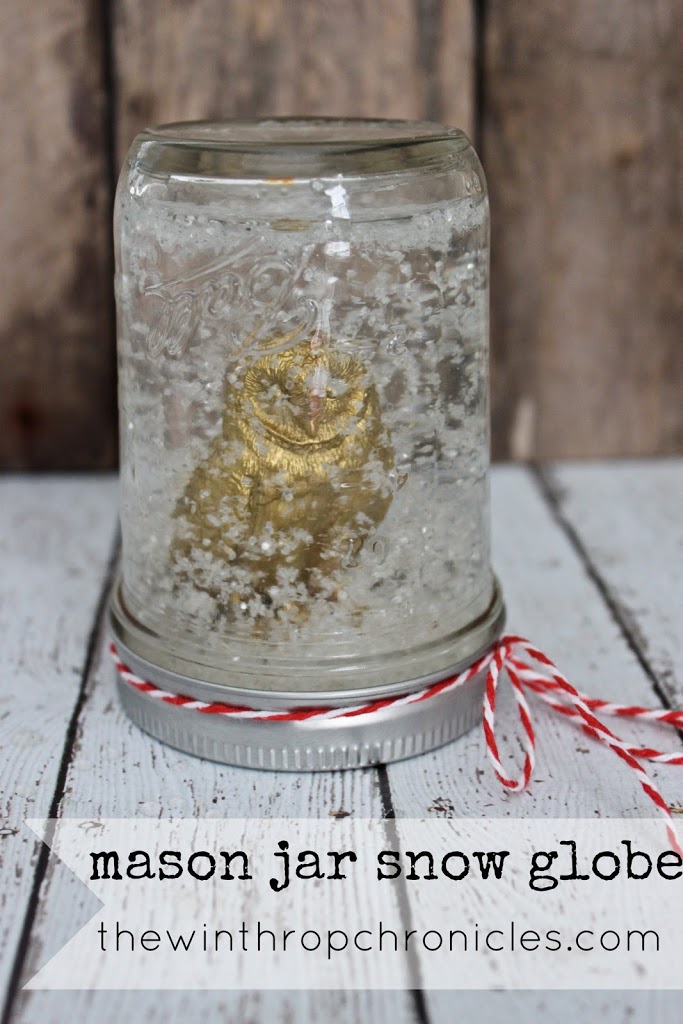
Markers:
(303, 373)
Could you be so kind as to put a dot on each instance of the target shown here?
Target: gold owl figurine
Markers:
(301, 475)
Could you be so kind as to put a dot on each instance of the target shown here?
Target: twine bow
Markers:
(525, 667)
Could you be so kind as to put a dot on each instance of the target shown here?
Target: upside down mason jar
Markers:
(303, 390)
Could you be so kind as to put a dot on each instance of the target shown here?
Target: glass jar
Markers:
(303, 389)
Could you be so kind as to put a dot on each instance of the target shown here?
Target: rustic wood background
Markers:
(575, 109)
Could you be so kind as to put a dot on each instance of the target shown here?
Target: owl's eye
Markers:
(287, 383)
(275, 385)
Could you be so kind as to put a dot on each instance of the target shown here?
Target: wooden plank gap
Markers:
(60, 783)
(551, 491)
(416, 991)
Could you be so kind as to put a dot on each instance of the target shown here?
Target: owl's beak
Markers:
(315, 411)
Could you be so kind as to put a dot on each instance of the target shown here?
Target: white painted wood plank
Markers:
(558, 1007)
(629, 518)
(55, 541)
(551, 600)
(216, 1008)
(118, 771)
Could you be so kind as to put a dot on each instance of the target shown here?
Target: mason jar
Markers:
(303, 393)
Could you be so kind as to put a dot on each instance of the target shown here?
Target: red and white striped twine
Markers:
(517, 659)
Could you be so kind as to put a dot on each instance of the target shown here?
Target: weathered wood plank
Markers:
(55, 537)
(380, 58)
(118, 771)
(560, 1007)
(629, 518)
(582, 147)
(217, 1008)
(56, 330)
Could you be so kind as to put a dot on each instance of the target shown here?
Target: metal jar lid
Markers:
(389, 733)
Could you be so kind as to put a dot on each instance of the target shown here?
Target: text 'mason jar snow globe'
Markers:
(303, 390)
